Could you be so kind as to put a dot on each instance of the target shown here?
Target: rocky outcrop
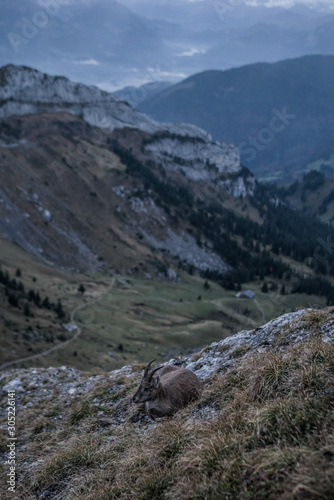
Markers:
(201, 161)
(279, 334)
(267, 402)
(185, 247)
(27, 91)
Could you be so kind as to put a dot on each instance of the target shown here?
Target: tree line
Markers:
(282, 232)
(18, 296)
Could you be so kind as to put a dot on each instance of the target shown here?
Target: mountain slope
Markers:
(313, 195)
(106, 204)
(50, 156)
(62, 177)
(135, 95)
(127, 175)
(263, 426)
(279, 115)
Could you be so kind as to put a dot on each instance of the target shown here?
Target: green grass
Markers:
(130, 319)
(149, 321)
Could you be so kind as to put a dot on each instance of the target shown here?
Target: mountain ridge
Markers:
(241, 104)
(25, 90)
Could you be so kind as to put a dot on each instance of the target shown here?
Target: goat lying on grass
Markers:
(164, 395)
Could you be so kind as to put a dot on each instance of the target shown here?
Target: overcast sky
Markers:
(266, 3)
(288, 3)
(249, 2)
(269, 3)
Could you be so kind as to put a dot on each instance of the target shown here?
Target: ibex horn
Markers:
(155, 370)
(148, 367)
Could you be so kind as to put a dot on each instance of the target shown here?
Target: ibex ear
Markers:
(156, 382)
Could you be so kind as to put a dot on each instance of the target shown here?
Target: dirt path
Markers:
(261, 310)
(63, 344)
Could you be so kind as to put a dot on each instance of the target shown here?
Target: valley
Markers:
(138, 234)
(125, 318)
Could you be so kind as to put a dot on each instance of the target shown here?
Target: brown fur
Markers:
(164, 395)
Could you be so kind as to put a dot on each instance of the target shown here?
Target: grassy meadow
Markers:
(125, 319)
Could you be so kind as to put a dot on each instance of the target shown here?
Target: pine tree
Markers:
(27, 310)
(13, 284)
(46, 303)
(13, 300)
(37, 300)
(206, 285)
(59, 310)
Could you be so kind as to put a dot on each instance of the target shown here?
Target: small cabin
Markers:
(245, 294)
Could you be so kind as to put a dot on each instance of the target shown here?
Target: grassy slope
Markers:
(311, 201)
(263, 430)
(140, 320)
(128, 319)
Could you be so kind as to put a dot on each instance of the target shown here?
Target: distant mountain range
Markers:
(101, 42)
(280, 115)
(89, 183)
(113, 45)
(136, 95)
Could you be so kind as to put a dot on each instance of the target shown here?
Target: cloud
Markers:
(191, 52)
(289, 3)
(92, 62)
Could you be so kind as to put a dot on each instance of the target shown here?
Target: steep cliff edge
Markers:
(263, 427)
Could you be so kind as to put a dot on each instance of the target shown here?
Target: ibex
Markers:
(164, 395)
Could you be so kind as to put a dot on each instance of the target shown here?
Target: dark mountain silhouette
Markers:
(280, 115)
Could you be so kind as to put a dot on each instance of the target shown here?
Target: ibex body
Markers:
(164, 395)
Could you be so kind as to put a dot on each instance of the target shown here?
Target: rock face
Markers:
(201, 161)
(219, 158)
(220, 356)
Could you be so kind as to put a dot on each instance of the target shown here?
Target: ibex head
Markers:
(147, 390)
